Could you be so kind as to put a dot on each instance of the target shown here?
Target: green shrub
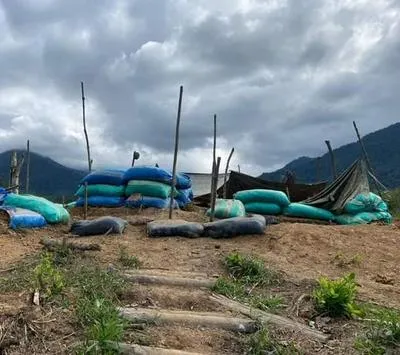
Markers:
(47, 279)
(336, 297)
(128, 260)
(261, 343)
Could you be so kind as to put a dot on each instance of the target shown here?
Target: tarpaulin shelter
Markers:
(344, 188)
(239, 181)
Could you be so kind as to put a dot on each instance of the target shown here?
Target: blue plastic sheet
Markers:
(102, 201)
(146, 202)
(23, 218)
(105, 177)
(150, 173)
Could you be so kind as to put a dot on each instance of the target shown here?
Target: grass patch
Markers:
(342, 261)
(336, 297)
(262, 342)
(383, 333)
(229, 288)
(127, 260)
(268, 304)
(250, 270)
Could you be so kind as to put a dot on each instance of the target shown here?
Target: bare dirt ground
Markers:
(302, 252)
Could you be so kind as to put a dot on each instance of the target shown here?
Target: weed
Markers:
(262, 342)
(270, 304)
(336, 297)
(250, 270)
(383, 332)
(128, 260)
(229, 288)
(343, 261)
(47, 278)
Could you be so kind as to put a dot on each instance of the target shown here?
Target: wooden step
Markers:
(143, 278)
(197, 319)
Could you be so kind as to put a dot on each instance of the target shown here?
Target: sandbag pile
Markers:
(184, 190)
(105, 188)
(364, 209)
(264, 202)
(52, 212)
(225, 208)
(304, 211)
(148, 187)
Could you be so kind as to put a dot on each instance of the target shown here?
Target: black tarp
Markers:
(239, 181)
(349, 184)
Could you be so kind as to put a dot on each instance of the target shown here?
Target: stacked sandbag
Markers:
(225, 208)
(105, 188)
(310, 212)
(263, 202)
(20, 218)
(148, 187)
(364, 209)
(52, 212)
(183, 186)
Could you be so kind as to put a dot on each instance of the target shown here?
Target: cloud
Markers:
(282, 76)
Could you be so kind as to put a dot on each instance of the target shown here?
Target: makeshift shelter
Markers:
(347, 186)
(239, 182)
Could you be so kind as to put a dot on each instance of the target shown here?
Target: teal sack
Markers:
(149, 188)
(260, 195)
(365, 203)
(52, 212)
(262, 208)
(228, 209)
(101, 190)
(364, 218)
(305, 211)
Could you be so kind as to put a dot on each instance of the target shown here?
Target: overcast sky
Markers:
(282, 76)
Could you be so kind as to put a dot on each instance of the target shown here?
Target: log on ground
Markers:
(168, 280)
(52, 244)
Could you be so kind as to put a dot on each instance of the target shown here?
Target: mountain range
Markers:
(383, 149)
(51, 179)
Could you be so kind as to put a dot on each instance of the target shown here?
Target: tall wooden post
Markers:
(215, 188)
(333, 162)
(239, 168)
(214, 162)
(226, 171)
(173, 182)
(90, 161)
(28, 166)
(15, 170)
(366, 157)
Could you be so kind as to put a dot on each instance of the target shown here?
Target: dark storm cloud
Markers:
(281, 76)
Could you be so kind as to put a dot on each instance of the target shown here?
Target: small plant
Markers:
(262, 342)
(383, 333)
(343, 261)
(128, 260)
(47, 278)
(249, 270)
(336, 297)
(269, 304)
(229, 288)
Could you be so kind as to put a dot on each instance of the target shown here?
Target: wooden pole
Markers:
(215, 188)
(15, 170)
(214, 162)
(90, 161)
(239, 168)
(28, 166)
(85, 210)
(333, 162)
(366, 157)
(226, 170)
(173, 182)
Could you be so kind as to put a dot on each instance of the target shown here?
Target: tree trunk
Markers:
(15, 170)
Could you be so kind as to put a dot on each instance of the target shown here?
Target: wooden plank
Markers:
(270, 318)
(168, 280)
(197, 319)
(135, 349)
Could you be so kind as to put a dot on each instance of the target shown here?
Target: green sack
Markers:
(101, 190)
(365, 203)
(228, 209)
(364, 218)
(260, 195)
(305, 211)
(52, 212)
(149, 188)
(263, 208)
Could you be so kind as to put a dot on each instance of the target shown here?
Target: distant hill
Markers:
(47, 177)
(383, 148)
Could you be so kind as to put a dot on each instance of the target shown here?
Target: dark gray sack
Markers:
(99, 226)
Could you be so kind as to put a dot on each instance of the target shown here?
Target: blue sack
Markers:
(145, 201)
(183, 181)
(3, 194)
(184, 197)
(150, 173)
(101, 201)
(23, 218)
(104, 177)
